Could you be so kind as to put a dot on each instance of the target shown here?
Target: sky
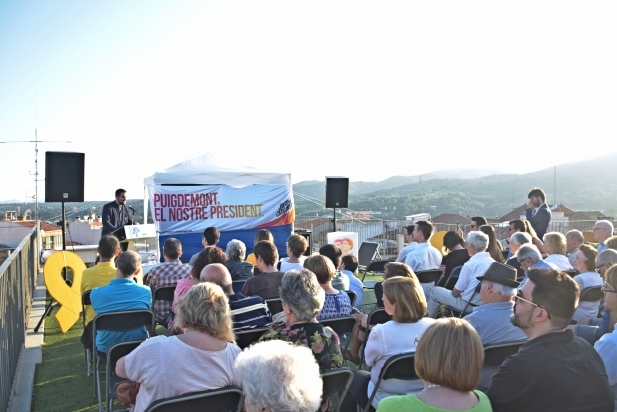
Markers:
(361, 89)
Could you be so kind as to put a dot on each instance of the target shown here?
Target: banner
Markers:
(190, 209)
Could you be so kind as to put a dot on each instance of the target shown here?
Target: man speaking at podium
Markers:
(116, 214)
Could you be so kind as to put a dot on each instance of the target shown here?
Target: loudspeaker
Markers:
(64, 176)
(337, 191)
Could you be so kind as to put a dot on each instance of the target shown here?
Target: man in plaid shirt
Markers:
(169, 273)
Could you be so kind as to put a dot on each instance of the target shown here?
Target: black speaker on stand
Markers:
(337, 193)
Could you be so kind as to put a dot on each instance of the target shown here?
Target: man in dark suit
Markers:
(116, 214)
(538, 213)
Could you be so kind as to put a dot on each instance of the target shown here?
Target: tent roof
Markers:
(210, 169)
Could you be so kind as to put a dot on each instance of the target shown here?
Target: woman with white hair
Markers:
(234, 257)
(555, 246)
(200, 359)
(278, 376)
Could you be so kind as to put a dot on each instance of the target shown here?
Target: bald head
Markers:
(602, 230)
(218, 274)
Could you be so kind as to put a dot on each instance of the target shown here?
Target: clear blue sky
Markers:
(354, 88)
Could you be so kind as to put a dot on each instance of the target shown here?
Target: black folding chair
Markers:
(366, 254)
(343, 325)
(591, 294)
(468, 305)
(571, 273)
(505, 253)
(274, 305)
(121, 321)
(448, 281)
(352, 296)
(336, 382)
(85, 301)
(237, 285)
(494, 355)
(165, 292)
(375, 267)
(430, 276)
(113, 355)
(246, 337)
(227, 399)
(375, 317)
(396, 367)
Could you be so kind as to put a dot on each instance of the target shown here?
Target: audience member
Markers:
(424, 256)
(278, 376)
(585, 263)
(121, 294)
(169, 273)
(448, 359)
(262, 234)
(529, 257)
(494, 247)
(200, 359)
(349, 268)
(465, 287)
(234, 260)
(554, 371)
(611, 243)
(555, 247)
(392, 269)
(457, 253)
(411, 244)
(574, 238)
(517, 239)
(527, 228)
(246, 311)
(332, 252)
(303, 299)
(403, 300)
(210, 238)
(602, 230)
(206, 257)
(492, 319)
(336, 303)
(607, 345)
(268, 282)
(99, 275)
(296, 247)
(474, 225)
(538, 213)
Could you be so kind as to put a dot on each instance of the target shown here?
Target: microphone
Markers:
(133, 210)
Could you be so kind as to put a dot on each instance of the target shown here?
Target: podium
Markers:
(132, 234)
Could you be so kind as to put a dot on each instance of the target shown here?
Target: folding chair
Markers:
(113, 355)
(430, 276)
(274, 305)
(121, 321)
(343, 325)
(246, 337)
(237, 285)
(366, 254)
(591, 294)
(494, 355)
(457, 312)
(352, 296)
(165, 293)
(376, 317)
(85, 301)
(450, 280)
(376, 266)
(336, 382)
(505, 253)
(396, 367)
(571, 273)
(227, 399)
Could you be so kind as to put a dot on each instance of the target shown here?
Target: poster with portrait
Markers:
(346, 241)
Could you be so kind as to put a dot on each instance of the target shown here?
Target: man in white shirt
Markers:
(412, 244)
(424, 256)
(602, 230)
(465, 287)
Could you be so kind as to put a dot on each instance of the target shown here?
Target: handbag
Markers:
(127, 391)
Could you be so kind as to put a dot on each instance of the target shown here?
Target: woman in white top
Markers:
(585, 263)
(404, 300)
(555, 246)
(200, 359)
(296, 246)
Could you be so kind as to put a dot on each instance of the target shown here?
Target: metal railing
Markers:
(17, 282)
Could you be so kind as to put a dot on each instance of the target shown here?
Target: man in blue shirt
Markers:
(121, 294)
(529, 257)
(602, 230)
(349, 268)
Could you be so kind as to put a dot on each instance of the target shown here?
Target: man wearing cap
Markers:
(492, 319)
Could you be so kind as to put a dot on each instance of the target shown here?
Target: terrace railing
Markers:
(17, 282)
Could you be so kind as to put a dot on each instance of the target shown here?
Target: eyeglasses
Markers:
(598, 228)
(519, 296)
(521, 260)
(600, 267)
(605, 288)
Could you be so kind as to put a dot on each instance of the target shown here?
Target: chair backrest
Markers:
(165, 293)
(451, 280)
(352, 296)
(274, 305)
(399, 366)
(237, 285)
(591, 294)
(494, 355)
(429, 276)
(378, 316)
(571, 273)
(227, 399)
(121, 349)
(343, 325)
(123, 321)
(336, 382)
(505, 253)
(85, 301)
(245, 338)
(377, 266)
(256, 271)
(366, 253)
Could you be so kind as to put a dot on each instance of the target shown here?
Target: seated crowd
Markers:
(524, 298)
